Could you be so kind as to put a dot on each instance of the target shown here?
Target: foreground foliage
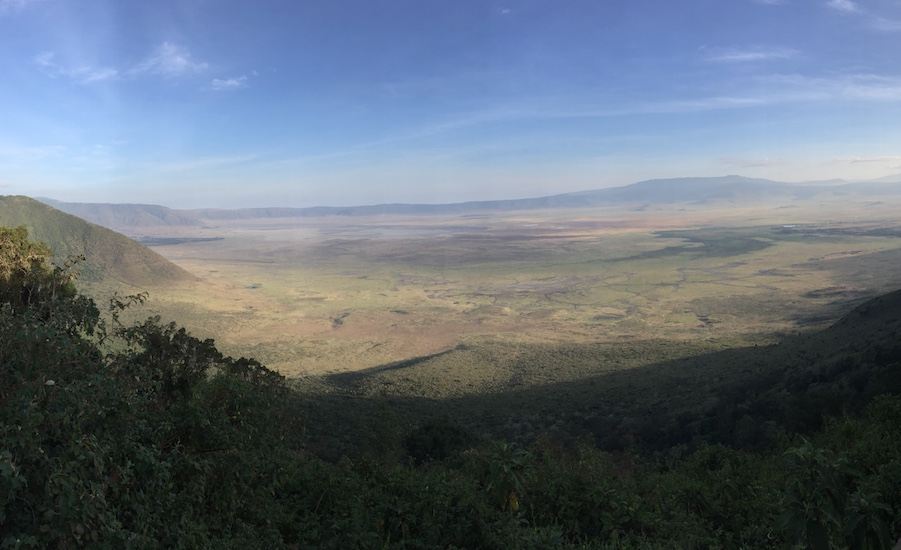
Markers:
(142, 436)
(133, 436)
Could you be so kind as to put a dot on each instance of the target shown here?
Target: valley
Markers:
(313, 296)
(644, 354)
(447, 275)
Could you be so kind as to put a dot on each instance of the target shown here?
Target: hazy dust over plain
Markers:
(335, 294)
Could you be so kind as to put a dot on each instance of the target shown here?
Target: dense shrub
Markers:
(113, 435)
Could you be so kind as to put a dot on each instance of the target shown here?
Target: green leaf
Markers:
(817, 537)
(834, 515)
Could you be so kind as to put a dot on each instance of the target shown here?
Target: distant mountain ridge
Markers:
(893, 178)
(110, 257)
(659, 191)
(124, 215)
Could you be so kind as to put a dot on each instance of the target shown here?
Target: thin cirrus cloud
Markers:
(169, 60)
(759, 91)
(792, 88)
(873, 87)
(861, 160)
(884, 24)
(83, 75)
(857, 87)
(752, 54)
(846, 6)
(876, 21)
(233, 83)
(867, 87)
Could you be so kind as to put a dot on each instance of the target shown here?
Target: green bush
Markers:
(117, 436)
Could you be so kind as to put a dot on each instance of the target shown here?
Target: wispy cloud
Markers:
(868, 87)
(884, 24)
(169, 60)
(82, 75)
(854, 87)
(88, 75)
(872, 87)
(757, 92)
(864, 160)
(45, 60)
(846, 6)
(772, 90)
(758, 53)
(229, 83)
(874, 20)
(712, 103)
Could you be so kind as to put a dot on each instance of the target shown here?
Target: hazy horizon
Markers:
(228, 105)
(888, 180)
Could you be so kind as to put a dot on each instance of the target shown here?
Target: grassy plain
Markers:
(316, 296)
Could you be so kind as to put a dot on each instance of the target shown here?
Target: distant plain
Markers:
(317, 296)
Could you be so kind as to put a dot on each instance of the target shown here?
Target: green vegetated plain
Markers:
(704, 375)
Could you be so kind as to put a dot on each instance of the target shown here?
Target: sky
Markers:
(231, 103)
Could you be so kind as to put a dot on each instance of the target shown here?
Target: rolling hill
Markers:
(110, 256)
(121, 217)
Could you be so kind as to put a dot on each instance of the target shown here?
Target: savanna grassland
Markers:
(604, 322)
(314, 296)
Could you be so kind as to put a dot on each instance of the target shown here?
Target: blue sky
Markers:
(230, 103)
